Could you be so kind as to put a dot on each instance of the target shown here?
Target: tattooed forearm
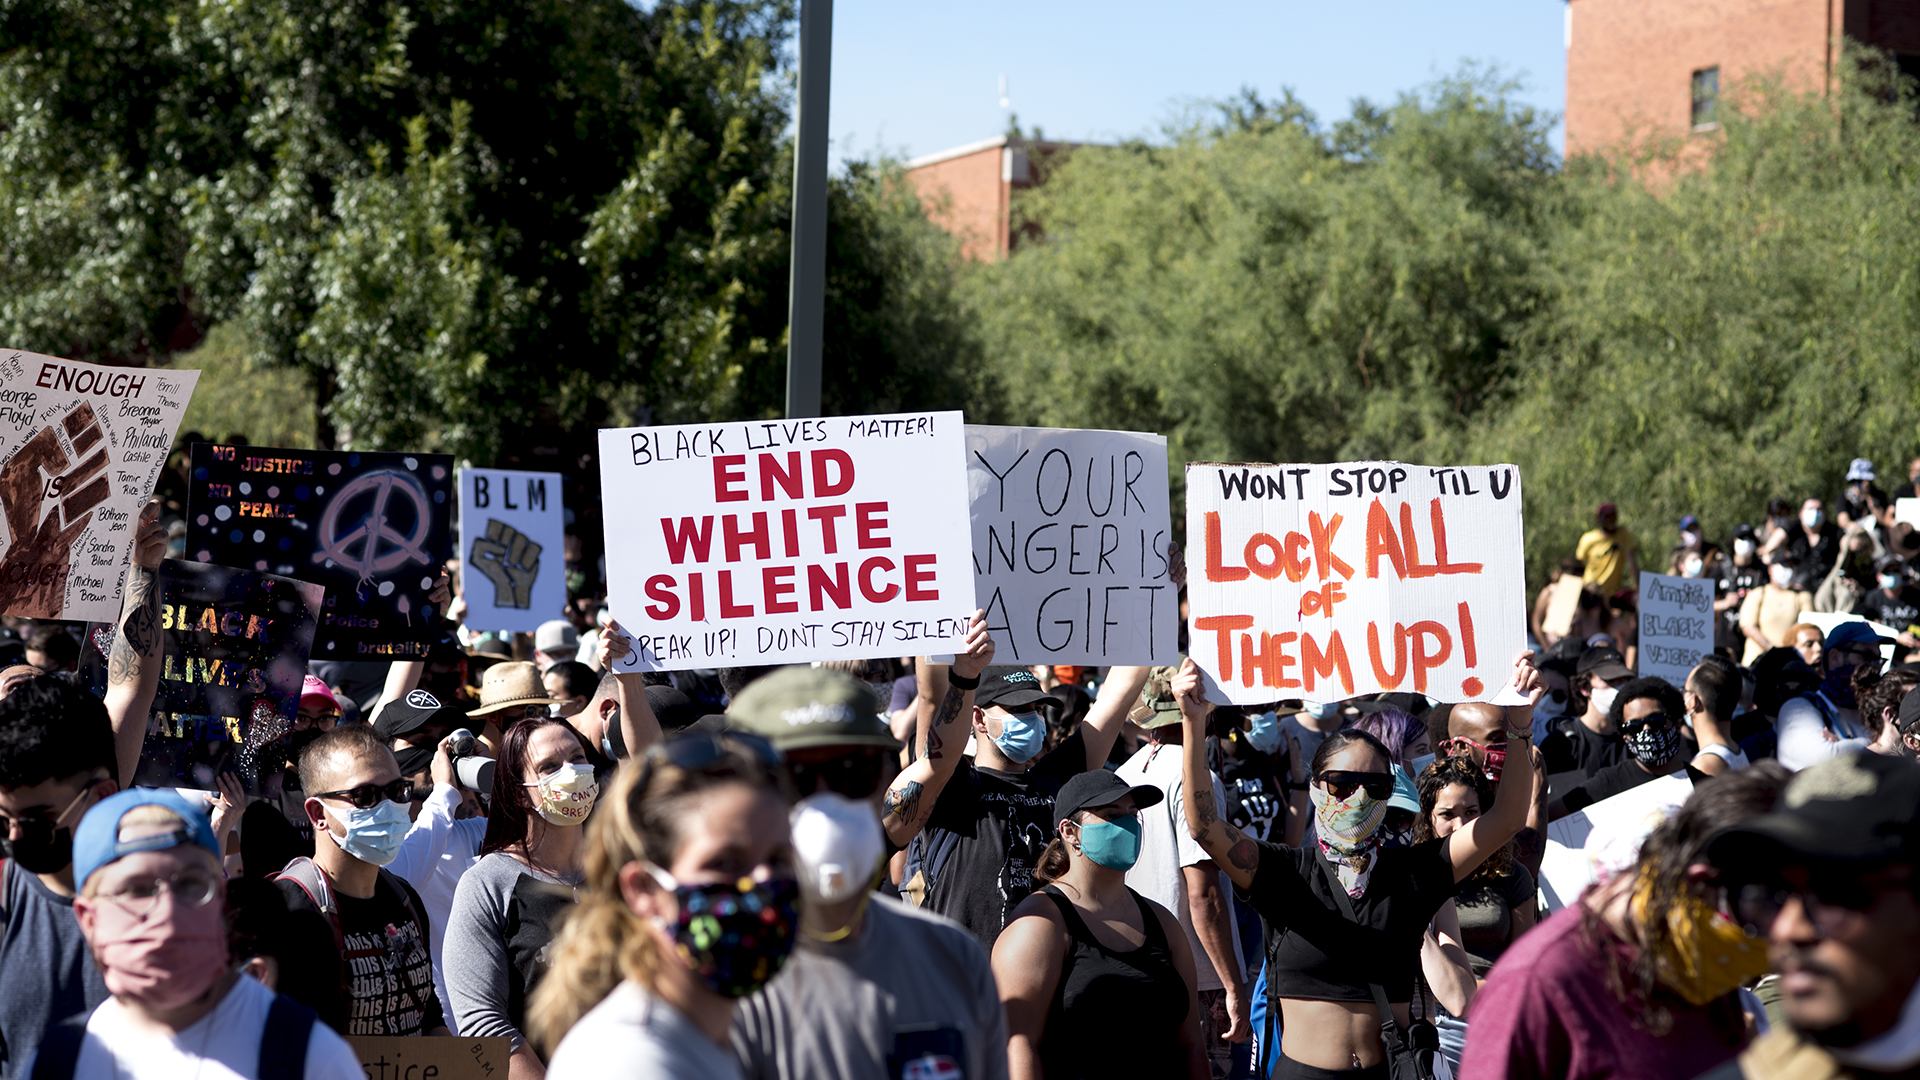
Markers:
(139, 627)
(944, 716)
(902, 802)
(1244, 854)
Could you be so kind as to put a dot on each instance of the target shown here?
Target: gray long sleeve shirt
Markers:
(485, 934)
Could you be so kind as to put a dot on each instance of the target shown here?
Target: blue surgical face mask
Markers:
(374, 835)
(1113, 844)
(1264, 734)
(1323, 711)
(1021, 736)
(1890, 582)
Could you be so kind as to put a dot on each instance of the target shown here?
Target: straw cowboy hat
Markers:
(511, 685)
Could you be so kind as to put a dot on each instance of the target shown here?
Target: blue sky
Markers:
(912, 77)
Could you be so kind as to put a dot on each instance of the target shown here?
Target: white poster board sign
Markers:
(1594, 843)
(1907, 510)
(1324, 582)
(1070, 535)
(81, 446)
(787, 541)
(1676, 625)
(512, 549)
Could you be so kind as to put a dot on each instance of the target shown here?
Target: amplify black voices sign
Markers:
(236, 644)
(372, 528)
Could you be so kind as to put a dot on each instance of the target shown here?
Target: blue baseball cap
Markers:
(97, 841)
(1854, 632)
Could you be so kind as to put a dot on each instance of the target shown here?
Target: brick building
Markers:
(1658, 66)
(968, 190)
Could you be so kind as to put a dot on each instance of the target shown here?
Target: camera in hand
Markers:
(470, 770)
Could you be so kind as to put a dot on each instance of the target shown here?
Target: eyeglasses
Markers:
(1340, 784)
(1651, 720)
(369, 795)
(324, 721)
(856, 776)
(190, 888)
(1866, 658)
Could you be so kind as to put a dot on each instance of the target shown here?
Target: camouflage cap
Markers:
(800, 707)
(1157, 707)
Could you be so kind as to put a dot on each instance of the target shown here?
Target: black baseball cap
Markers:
(413, 712)
(1010, 688)
(1854, 808)
(1098, 787)
(1909, 711)
(672, 708)
(1604, 661)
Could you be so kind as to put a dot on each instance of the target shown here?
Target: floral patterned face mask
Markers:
(734, 935)
(1350, 833)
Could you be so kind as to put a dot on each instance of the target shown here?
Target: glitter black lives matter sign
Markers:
(236, 645)
(372, 528)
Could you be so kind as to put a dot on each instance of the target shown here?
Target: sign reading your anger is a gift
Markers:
(1323, 582)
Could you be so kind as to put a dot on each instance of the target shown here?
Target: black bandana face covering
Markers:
(1654, 744)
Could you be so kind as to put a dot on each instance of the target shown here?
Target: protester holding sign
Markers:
(1345, 918)
(688, 907)
(56, 762)
(153, 906)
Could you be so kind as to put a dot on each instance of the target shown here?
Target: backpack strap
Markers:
(306, 874)
(283, 1044)
(405, 892)
(59, 1051)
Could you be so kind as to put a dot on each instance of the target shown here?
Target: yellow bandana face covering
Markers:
(1707, 954)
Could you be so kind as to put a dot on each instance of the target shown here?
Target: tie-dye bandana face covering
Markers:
(1350, 834)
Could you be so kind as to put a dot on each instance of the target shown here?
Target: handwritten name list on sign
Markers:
(787, 541)
(82, 446)
(1676, 625)
(1324, 582)
(1070, 534)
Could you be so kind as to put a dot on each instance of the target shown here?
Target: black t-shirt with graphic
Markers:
(985, 836)
(385, 973)
(1899, 611)
(1255, 799)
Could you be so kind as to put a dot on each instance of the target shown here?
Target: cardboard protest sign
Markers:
(1564, 605)
(1070, 534)
(235, 651)
(1907, 510)
(1676, 625)
(512, 532)
(787, 541)
(432, 1057)
(373, 529)
(82, 446)
(1605, 838)
(1324, 582)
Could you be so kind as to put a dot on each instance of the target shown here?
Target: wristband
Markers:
(1526, 735)
(954, 678)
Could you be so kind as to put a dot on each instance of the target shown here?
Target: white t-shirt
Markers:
(632, 1033)
(1801, 733)
(438, 850)
(1166, 848)
(222, 1045)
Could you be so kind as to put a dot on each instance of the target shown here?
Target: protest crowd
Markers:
(949, 865)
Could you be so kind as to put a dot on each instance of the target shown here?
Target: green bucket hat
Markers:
(800, 707)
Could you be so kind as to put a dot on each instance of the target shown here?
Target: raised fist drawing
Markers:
(510, 561)
(48, 500)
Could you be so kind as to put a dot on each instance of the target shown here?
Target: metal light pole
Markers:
(806, 295)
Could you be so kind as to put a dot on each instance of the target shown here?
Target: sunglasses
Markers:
(856, 776)
(1651, 720)
(369, 795)
(189, 889)
(38, 828)
(324, 721)
(1828, 900)
(1341, 784)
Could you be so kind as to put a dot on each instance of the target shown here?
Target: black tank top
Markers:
(1114, 1013)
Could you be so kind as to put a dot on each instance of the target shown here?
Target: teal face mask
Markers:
(1113, 844)
(1264, 733)
(1021, 736)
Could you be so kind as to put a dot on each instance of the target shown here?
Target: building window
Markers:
(1706, 95)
